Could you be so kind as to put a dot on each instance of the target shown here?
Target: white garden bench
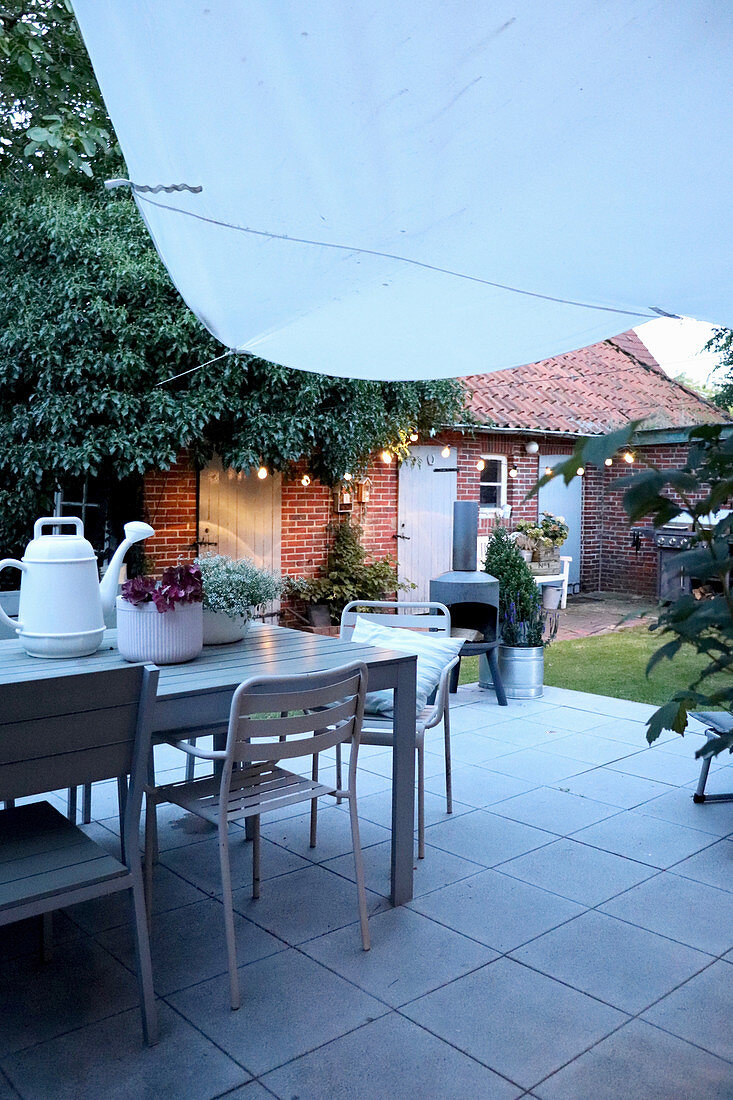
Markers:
(545, 578)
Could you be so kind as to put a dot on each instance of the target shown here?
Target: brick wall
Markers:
(170, 507)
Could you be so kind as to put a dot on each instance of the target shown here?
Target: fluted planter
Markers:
(167, 638)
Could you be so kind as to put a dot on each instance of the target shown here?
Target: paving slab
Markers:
(699, 1011)
(576, 871)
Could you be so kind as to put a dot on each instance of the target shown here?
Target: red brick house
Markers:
(531, 417)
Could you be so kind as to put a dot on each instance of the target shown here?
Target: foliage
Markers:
(236, 587)
(722, 342)
(347, 575)
(52, 116)
(520, 603)
(90, 324)
(702, 487)
(550, 530)
(180, 584)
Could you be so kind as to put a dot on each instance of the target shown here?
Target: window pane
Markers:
(492, 471)
(489, 495)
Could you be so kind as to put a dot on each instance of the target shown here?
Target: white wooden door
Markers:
(240, 515)
(566, 501)
(427, 489)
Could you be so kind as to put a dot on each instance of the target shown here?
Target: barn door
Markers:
(240, 515)
(566, 501)
(427, 490)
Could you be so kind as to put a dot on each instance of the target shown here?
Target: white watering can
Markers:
(62, 601)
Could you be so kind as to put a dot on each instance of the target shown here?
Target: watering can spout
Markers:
(134, 532)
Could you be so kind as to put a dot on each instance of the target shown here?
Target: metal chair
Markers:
(718, 723)
(271, 719)
(426, 617)
(64, 732)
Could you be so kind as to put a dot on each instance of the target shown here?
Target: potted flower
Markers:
(521, 619)
(544, 538)
(234, 591)
(161, 620)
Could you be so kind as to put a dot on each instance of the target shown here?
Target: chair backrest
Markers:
(426, 616)
(312, 713)
(67, 730)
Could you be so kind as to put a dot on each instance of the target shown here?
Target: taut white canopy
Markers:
(424, 188)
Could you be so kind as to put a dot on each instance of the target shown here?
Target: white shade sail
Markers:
(576, 152)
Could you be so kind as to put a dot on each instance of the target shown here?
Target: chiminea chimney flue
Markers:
(465, 535)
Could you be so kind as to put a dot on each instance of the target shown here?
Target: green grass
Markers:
(613, 664)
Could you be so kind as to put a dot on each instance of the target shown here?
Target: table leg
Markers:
(403, 782)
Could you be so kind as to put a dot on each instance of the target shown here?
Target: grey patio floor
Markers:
(571, 937)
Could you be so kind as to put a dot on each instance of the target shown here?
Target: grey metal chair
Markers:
(271, 719)
(65, 732)
(717, 723)
(428, 617)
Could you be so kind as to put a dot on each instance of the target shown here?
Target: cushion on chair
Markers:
(433, 652)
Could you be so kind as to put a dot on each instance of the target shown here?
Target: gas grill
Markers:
(673, 581)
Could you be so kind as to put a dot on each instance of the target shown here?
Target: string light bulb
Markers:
(305, 481)
(629, 457)
(608, 462)
(580, 471)
(386, 457)
(513, 471)
(446, 452)
(262, 473)
(414, 437)
(480, 465)
(548, 471)
(348, 477)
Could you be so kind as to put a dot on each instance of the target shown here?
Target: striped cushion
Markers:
(433, 652)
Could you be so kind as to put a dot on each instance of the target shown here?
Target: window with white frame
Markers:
(492, 486)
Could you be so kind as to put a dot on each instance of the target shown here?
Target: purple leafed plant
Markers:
(180, 584)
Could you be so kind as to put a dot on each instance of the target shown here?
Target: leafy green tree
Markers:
(90, 325)
(722, 342)
(701, 486)
(52, 116)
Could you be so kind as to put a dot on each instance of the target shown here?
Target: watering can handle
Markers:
(14, 624)
(57, 521)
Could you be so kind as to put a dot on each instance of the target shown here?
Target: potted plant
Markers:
(543, 538)
(521, 619)
(161, 620)
(234, 590)
(346, 576)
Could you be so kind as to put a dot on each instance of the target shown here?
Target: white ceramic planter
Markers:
(170, 638)
(220, 628)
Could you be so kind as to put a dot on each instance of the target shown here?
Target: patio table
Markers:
(199, 693)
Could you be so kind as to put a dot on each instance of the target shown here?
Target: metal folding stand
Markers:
(717, 723)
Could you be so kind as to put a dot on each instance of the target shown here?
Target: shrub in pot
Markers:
(161, 620)
(234, 591)
(521, 619)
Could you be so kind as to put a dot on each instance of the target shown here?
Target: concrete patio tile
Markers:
(685, 746)
(7, 1092)
(587, 748)
(199, 863)
(713, 866)
(187, 945)
(575, 871)
(23, 937)
(290, 1006)
(599, 704)
(391, 1057)
(644, 838)
(108, 1060)
(171, 892)
(672, 906)
(537, 766)
(485, 838)
(410, 956)
(699, 1011)
(662, 767)
(477, 786)
(304, 904)
(639, 1061)
(496, 910)
(378, 808)
(613, 787)
(251, 1091)
(436, 870)
(382, 765)
(621, 964)
(556, 811)
(470, 748)
(522, 733)
(623, 730)
(520, 1023)
(577, 721)
(81, 984)
(333, 837)
(677, 806)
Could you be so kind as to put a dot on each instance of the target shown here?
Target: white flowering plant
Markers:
(236, 587)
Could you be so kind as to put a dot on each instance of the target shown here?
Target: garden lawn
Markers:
(614, 664)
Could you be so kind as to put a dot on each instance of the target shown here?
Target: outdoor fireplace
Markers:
(471, 596)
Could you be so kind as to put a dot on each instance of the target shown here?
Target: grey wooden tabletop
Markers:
(199, 692)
